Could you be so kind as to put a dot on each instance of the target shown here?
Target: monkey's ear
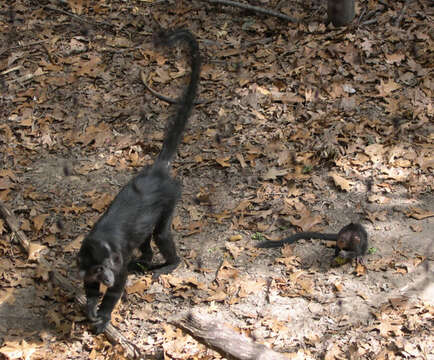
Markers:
(356, 239)
(117, 259)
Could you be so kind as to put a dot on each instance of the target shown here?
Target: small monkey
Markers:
(351, 241)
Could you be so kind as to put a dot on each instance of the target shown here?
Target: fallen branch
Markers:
(254, 8)
(225, 340)
(131, 351)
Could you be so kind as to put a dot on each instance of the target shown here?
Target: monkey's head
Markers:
(348, 240)
(98, 262)
(350, 237)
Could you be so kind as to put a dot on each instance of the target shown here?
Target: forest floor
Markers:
(301, 127)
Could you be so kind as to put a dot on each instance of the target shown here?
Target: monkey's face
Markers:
(98, 263)
(348, 240)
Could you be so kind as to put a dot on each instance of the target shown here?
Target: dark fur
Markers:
(142, 210)
(351, 241)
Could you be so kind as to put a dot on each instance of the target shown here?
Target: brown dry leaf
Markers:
(7, 296)
(177, 223)
(74, 245)
(194, 227)
(42, 272)
(76, 6)
(119, 41)
(290, 262)
(35, 250)
(273, 173)
(77, 210)
(50, 240)
(91, 68)
(139, 287)
(17, 350)
(416, 227)
(217, 295)
(306, 220)
(25, 225)
(227, 271)
(241, 160)
(306, 284)
(248, 287)
(386, 326)
(287, 251)
(101, 135)
(102, 202)
(375, 152)
(338, 286)
(194, 212)
(197, 284)
(399, 302)
(334, 352)
(38, 221)
(242, 206)
(112, 160)
(198, 159)
(234, 250)
(419, 214)
(5, 184)
(232, 238)
(222, 216)
(395, 58)
(223, 161)
(27, 117)
(386, 88)
(379, 199)
(341, 182)
(360, 269)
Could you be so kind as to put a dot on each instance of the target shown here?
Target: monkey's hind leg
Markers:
(144, 262)
(164, 240)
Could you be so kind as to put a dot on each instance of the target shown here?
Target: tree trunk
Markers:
(340, 12)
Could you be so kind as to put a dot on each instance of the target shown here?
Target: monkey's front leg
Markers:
(111, 297)
(92, 296)
(350, 255)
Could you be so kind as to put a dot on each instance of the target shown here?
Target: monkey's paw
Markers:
(100, 323)
(91, 309)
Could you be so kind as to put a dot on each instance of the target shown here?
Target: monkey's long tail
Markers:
(293, 238)
(176, 124)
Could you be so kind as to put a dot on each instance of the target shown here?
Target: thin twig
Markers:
(404, 8)
(155, 93)
(79, 18)
(23, 46)
(163, 97)
(368, 22)
(131, 350)
(253, 8)
(361, 16)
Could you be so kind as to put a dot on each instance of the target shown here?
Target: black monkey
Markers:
(142, 210)
(351, 241)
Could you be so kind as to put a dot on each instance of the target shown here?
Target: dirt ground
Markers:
(300, 127)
